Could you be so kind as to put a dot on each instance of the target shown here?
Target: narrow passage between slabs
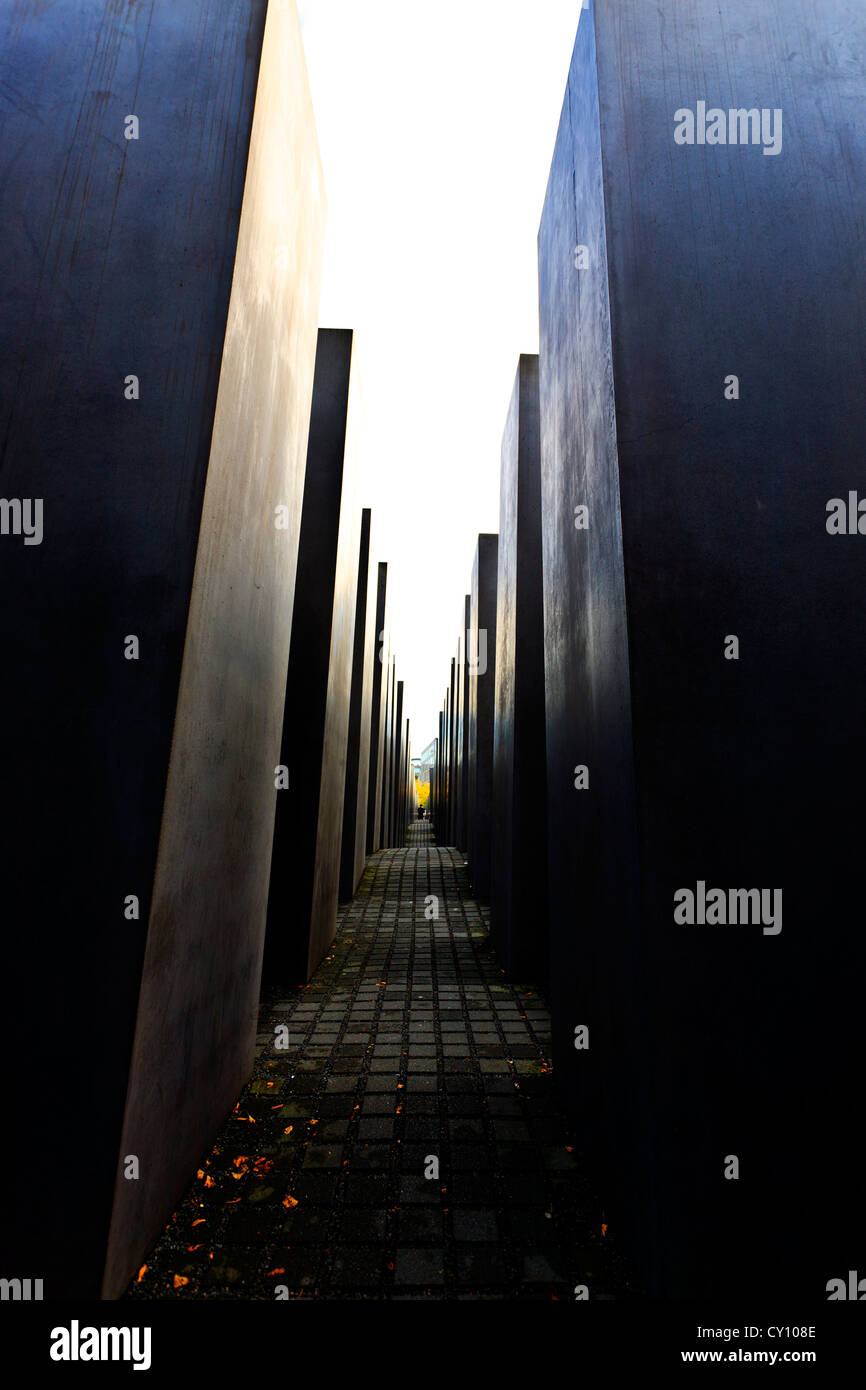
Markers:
(408, 1141)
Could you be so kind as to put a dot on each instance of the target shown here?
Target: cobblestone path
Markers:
(406, 1049)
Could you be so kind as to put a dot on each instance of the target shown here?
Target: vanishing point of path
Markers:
(406, 1049)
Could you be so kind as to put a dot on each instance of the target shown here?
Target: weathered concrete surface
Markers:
(354, 840)
(117, 260)
(482, 691)
(302, 910)
(707, 519)
(518, 917)
(377, 715)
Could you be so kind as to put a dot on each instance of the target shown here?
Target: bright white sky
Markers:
(436, 124)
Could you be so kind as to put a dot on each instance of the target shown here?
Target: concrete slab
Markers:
(702, 326)
(365, 665)
(463, 733)
(453, 699)
(377, 716)
(395, 827)
(302, 908)
(482, 689)
(388, 754)
(518, 909)
(155, 380)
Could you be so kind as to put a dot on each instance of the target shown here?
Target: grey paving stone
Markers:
(475, 1225)
(420, 1266)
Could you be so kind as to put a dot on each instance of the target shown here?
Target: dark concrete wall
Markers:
(518, 919)
(707, 519)
(117, 259)
(354, 849)
(308, 825)
(482, 691)
(377, 715)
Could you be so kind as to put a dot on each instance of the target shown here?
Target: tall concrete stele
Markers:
(366, 671)
(377, 714)
(307, 848)
(163, 217)
(461, 730)
(703, 431)
(518, 917)
(482, 690)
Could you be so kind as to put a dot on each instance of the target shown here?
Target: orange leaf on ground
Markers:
(179, 1281)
